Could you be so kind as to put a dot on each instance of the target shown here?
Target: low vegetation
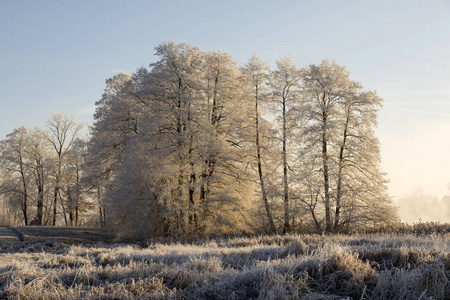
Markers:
(414, 265)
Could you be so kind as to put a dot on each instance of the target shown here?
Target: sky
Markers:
(56, 55)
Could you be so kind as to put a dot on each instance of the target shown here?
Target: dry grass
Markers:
(376, 266)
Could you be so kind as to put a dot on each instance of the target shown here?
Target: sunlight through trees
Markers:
(196, 144)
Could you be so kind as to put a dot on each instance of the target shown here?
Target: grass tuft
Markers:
(362, 266)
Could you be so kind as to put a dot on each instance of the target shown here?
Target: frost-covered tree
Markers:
(187, 147)
(256, 75)
(115, 123)
(26, 163)
(182, 170)
(151, 111)
(285, 85)
(171, 93)
(324, 88)
(223, 150)
(13, 161)
(41, 164)
(72, 183)
(62, 131)
(342, 119)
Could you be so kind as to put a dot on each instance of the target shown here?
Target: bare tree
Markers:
(77, 156)
(41, 164)
(62, 131)
(13, 161)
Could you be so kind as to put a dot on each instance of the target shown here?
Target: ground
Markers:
(69, 263)
(7, 235)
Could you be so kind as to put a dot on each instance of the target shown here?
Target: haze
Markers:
(56, 55)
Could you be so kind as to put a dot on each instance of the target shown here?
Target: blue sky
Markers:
(56, 55)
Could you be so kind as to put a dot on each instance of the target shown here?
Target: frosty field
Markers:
(362, 266)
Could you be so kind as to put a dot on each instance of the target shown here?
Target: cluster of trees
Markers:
(197, 144)
(40, 181)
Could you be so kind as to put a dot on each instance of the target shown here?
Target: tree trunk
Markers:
(209, 163)
(101, 213)
(339, 190)
(66, 222)
(24, 204)
(204, 178)
(193, 214)
(203, 192)
(285, 171)
(193, 208)
(326, 183)
(77, 200)
(40, 204)
(180, 201)
(71, 209)
(100, 216)
(25, 197)
(316, 222)
(272, 228)
(55, 202)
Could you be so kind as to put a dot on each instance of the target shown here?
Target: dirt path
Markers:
(7, 235)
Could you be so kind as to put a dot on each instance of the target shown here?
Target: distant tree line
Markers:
(197, 144)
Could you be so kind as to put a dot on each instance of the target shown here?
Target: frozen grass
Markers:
(378, 266)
